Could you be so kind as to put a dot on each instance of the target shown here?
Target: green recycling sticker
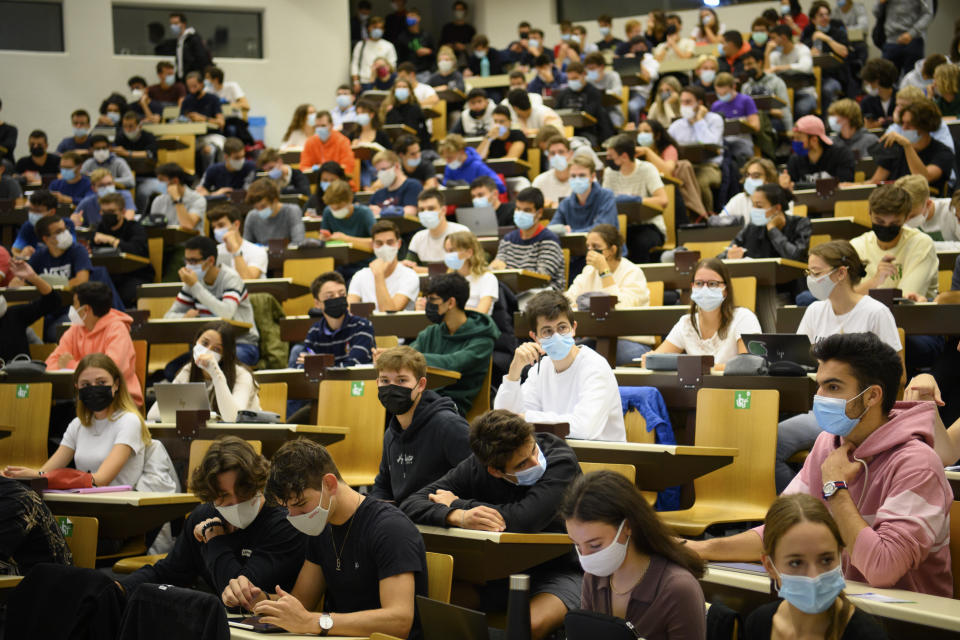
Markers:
(23, 391)
(741, 400)
(356, 388)
(66, 526)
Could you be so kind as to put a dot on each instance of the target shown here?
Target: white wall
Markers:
(305, 43)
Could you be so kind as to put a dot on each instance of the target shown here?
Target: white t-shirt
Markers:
(740, 205)
(943, 226)
(430, 249)
(482, 286)
(685, 337)
(424, 91)
(403, 280)
(253, 254)
(869, 315)
(553, 189)
(230, 92)
(91, 445)
(641, 183)
(914, 255)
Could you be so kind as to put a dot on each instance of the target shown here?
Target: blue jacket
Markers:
(649, 402)
(471, 169)
(601, 207)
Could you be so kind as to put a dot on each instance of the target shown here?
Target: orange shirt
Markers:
(335, 149)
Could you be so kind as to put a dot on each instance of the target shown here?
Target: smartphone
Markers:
(252, 623)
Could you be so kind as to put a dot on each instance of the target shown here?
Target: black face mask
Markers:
(96, 397)
(433, 313)
(613, 165)
(395, 399)
(476, 115)
(36, 151)
(335, 307)
(315, 313)
(524, 35)
(886, 234)
(110, 220)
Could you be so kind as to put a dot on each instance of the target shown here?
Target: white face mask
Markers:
(3, 306)
(387, 177)
(821, 287)
(199, 350)
(64, 240)
(74, 316)
(101, 155)
(314, 522)
(242, 514)
(604, 562)
(687, 111)
(386, 253)
(340, 214)
(445, 66)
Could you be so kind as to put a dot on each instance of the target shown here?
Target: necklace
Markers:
(613, 587)
(344, 542)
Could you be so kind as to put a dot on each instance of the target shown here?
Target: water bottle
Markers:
(484, 66)
(518, 608)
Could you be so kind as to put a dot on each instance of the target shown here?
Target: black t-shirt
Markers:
(872, 107)
(423, 172)
(861, 626)
(499, 148)
(50, 167)
(935, 153)
(453, 32)
(208, 105)
(836, 161)
(378, 542)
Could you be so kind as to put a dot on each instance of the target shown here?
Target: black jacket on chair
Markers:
(165, 612)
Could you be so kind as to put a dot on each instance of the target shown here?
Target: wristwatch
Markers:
(830, 488)
(326, 623)
(606, 273)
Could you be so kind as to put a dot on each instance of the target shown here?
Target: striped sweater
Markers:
(226, 298)
(350, 345)
(540, 254)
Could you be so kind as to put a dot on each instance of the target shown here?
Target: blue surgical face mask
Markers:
(34, 217)
(565, 37)
(558, 162)
(784, 9)
(758, 216)
(376, 33)
(114, 116)
(324, 184)
(831, 414)
(198, 269)
(706, 298)
(343, 101)
(501, 130)
(557, 346)
(79, 132)
(479, 203)
(534, 43)
(523, 219)
(760, 37)
(604, 31)
(429, 218)
(363, 119)
(727, 97)
(264, 213)
(823, 29)
(169, 79)
(453, 260)
(579, 184)
(645, 139)
(220, 233)
(575, 85)
(176, 29)
(750, 185)
(402, 93)
(799, 149)
(529, 477)
(778, 49)
(323, 133)
(276, 173)
(208, 85)
(593, 75)
(412, 21)
(102, 191)
(812, 595)
(413, 163)
(454, 164)
(912, 135)
(68, 174)
(707, 76)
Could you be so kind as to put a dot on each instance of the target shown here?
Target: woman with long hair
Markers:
(634, 568)
(463, 254)
(402, 107)
(301, 127)
(657, 146)
(802, 548)
(666, 101)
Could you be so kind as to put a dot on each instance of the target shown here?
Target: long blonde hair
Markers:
(122, 401)
(463, 240)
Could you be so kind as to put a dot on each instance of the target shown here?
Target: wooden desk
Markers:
(736, 127)
(674, 65)
(576, 119)
(341, 252)
(953, 477)
(28, 294)
(766, 103)
(924, 318)
(246, 634)
(482, 556)
(7, 584)
(707, 234)
(280, 288)
(403, 324)
(436, 377)
(62, 382)
(177, 129)
(117, 263)
(520, 280)
(452, 96)
(177, 330)
(699, 153)
(947, 260)
(299, 387)
(172, 235)
(823, 206)
(769, 272)
(658, 465)
(123, 514)
(844, 228)
(271, 435)
(487, 82)
(509, 167)
(637, 212)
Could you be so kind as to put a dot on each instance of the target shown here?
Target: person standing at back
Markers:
(191, 54)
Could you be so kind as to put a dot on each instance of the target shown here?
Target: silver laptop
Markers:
(187, 396)
(482, 221)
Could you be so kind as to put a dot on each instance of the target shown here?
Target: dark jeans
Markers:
(904, 56)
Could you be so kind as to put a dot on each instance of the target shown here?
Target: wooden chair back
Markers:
(818, 239)
(670, 216)
(303, 272)
(745, 292)
(159, 355)
(656, 292)
(800, 210)
(944, 281)
(636, 426)
(155, 253)
(566, 267)
(273, 397)
(622, 222)
(708, 249)
(439, 123)
(140, 350)
(955, 546)
(386, 342)
(26, 408)
(859, 210)
(533, 159)
(439, 576)
(43, 350)
(743, 490)
(354, 404)
(80, 532)
(481, 404)
(628, 471)
(198, 449)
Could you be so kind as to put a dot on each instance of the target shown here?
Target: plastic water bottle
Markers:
(518, 608)
(485, 66)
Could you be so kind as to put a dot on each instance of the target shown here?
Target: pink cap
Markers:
(812, 126)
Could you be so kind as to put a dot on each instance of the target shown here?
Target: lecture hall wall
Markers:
(305, 44)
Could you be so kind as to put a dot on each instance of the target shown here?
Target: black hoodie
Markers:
(525, 509)
(436, 441)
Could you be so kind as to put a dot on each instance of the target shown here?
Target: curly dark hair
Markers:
(496, 435)
(230, 453)
(296, 466)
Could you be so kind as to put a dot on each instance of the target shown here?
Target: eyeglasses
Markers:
(709, 284)
(807, 272)
(194, 260)
(547, 332)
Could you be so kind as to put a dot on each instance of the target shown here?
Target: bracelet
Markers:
(606, 273)
(209, 525)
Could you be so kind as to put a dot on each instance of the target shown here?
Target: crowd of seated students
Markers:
(260, 539)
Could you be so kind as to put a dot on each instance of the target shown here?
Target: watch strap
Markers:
(837, 486)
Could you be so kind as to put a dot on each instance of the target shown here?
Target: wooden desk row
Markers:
(924, 318)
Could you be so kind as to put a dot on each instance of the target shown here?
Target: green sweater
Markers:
(467, 351)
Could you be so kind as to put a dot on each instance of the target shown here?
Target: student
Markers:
(463, 255)
(531, 118)
(834, 271)
(485, 61)
(16, 318)
(531, 246)
(365, 53)
(846, 123)
(698, 125)
(447, 77)
(762, 83)
(103, 158)
(397, 194)
(755, 172)
(827, 36)
(59, 256)
(590, 203)
(191, 55)
(914, 150)
(370, 561)
(427, 244)
(608, 41)
(41, 204)
(233, 533)
(369, 136)
(771, 232)
(402, 107)
(31, 534)
(233, 174)
(345, 220)
(947, 98)
(228, 92)
(514, 482)
(348, 338)
(72, 186)
(631, 179)
(345, 111)
(300, 128)
(425, 94)
(127, 236)
(330, 172)
(783, 54)
(896, 525)
(714, 325)
(582, 97)
(879, 77)
(587, 398)
(633, 567)
(458, 339)
(802, 547)
(815, 156)
(391, 286)
(608, 272)
(705, 73)
(501, 141)
(476, 118)
(426, 436)
(935, 217)
(269, 218)
(248, 259)
(288, 180)
(87, 213)
(554, 183)
(733, 105)
(182, 206)
(408, 150)
(108, 438)
(896, 256)
(168, 92)
(38, 162)
(211, 290)
(458, 33)
(607, 81)
(214, 361)
(80, 140)
(463, 163)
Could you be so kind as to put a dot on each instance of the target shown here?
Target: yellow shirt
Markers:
(915, 257)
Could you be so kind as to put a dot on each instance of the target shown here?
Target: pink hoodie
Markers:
(111, 335)
(905, 499)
